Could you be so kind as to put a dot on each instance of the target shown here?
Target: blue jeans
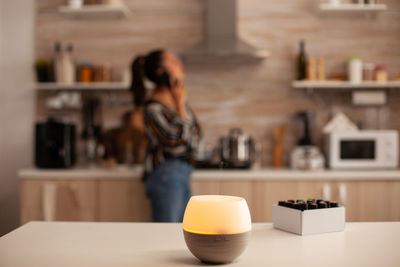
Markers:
(168, 188)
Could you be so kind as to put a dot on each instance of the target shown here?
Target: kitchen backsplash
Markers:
(256, 97)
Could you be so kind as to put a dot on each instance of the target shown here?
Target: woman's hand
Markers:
(179, 94)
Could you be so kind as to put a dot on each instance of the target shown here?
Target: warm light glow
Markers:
(217, 214)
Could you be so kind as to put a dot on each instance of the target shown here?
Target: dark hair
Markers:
(144, 67)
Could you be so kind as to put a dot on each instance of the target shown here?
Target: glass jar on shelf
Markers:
(381, 74)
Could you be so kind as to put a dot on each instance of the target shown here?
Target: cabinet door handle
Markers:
(342, 194)
(49, 201)
(326, 192)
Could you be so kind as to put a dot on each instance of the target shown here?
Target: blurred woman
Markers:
(173, 133)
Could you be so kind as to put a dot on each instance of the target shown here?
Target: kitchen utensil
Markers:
(54, 144)
(306, 155)
(278, 145)
(307, 158)
(91, 117)
(92, 129)
(305, 118)
(237, 149)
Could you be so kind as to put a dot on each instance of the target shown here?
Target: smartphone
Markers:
(165, 79)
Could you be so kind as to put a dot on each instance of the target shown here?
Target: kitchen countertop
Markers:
(252, 174)
(150, 244)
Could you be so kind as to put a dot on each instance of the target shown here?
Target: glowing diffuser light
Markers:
(216, 228)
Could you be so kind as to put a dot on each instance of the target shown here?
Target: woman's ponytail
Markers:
(137, 87)
(145, 67)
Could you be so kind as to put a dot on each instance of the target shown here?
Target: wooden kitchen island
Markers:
(149, 244)
(118, 195)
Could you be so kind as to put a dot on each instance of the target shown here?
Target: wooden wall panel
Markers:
(255, 97)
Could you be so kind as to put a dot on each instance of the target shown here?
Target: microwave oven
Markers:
(365, 149)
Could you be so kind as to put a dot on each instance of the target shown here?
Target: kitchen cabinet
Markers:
(372, 200)
(100, 196)
(261, 195)
(364, 200)
(241, 189)
(123, 201)
(205, 187)
(30, 204)
(267, 193)
(71, 200)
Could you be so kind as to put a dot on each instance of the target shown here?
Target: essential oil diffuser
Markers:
(216, 228)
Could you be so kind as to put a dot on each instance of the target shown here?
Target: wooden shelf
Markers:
(112, 86)
(344, 85)
(96, 11)
(353, 7)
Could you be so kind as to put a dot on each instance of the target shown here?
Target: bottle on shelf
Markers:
(311, 69)
(355, 70)
(381, 74)
(320, 69)
(368, 71)
(302, 62)
(85, 72)
(68, 65)
(57, 63)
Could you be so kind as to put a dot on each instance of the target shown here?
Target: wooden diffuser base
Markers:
(213, 248)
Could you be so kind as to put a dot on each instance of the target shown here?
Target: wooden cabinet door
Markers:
(243, 189)
(58, 200)
(123, 201)
(372, 200)
(205, 187)
(76, 201)
(225, 187)
(30, 201)
(267, 193)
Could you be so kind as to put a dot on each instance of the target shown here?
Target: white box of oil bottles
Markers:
(308, 221)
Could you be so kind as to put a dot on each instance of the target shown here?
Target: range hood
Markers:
(221, 42)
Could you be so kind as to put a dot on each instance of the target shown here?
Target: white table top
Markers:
(147, 244)
(203, 174)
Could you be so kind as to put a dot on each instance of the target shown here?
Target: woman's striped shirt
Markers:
(169, 135)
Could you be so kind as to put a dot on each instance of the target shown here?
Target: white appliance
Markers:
(377, 149)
